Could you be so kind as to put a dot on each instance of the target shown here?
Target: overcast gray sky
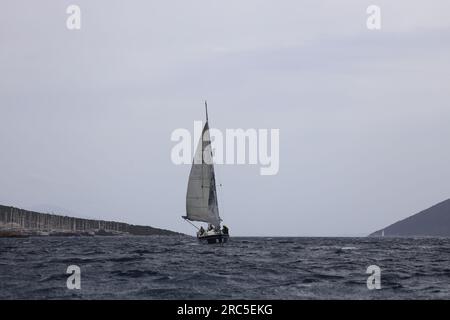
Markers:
(86, 116)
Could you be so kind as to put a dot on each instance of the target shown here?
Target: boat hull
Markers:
(214, 238)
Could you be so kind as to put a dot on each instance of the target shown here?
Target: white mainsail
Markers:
(201, 198)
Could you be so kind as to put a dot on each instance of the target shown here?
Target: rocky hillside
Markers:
(432, 222)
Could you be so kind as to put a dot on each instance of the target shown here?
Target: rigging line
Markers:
(221, 188)
(192, 224)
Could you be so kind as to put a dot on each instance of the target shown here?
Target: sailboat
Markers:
(201, 197)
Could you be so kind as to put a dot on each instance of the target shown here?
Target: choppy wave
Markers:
(247, 268)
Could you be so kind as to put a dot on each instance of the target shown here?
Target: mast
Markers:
(206, 109)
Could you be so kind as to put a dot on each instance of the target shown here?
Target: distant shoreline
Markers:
(15, 222)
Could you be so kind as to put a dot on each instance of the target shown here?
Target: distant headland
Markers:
(16, 222)
(432, 222)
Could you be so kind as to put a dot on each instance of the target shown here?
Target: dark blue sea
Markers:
(245, 268)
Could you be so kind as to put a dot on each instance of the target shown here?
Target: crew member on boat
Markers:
(225, 230)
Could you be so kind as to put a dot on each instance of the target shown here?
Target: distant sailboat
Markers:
(201, 197)
(382, 233)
